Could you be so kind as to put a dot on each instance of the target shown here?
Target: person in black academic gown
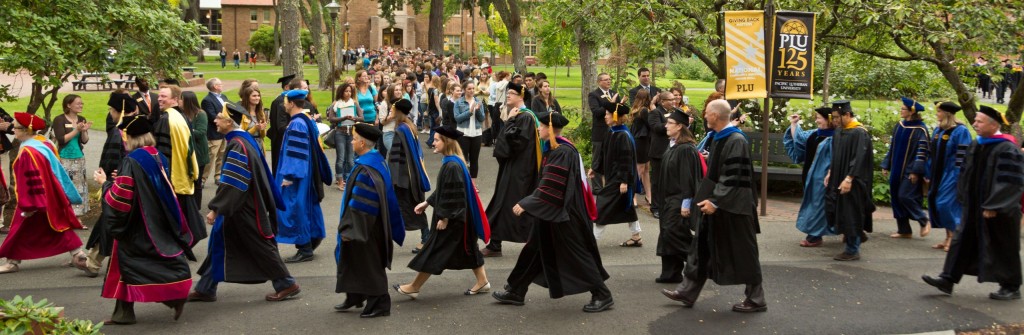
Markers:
(561, 254)
(152, 241)
(100, 244)
(457, 221)
(517, 149)
(848, 202)
(682, 168)
(405, 161)
(726, 240)
(370, 220)
(987, 242)
(618, 166)
(279, 117)
(242, 248)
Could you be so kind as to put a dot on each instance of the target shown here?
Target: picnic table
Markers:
(99, 79)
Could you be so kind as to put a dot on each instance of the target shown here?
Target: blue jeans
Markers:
(424, 234)
(430, 140)
(345, 160)
(422, 119)
(389, 137)
(852, 244)
(207, 286)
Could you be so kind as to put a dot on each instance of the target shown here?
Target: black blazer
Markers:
(632, 93)
(656, 129)
(212, 106)
(599, 130)
(154, 105)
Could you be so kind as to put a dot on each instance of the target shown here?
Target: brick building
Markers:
(239, 18)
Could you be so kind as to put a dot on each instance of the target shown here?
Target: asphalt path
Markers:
(807, 292)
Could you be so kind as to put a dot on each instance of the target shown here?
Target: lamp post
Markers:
(333, 8)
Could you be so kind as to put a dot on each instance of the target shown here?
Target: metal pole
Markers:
(334, 26)
(764, 155)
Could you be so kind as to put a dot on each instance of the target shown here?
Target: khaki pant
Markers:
(95, 261)
(216, 159)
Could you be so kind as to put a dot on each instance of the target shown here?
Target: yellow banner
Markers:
(744, 55)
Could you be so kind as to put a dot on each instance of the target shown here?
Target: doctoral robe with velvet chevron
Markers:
(945, 159)
(813, 149)
(303, 163)
(152, 240)
(48, 231)
(242, 247)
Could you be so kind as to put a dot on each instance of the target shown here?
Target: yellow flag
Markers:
(744, 55)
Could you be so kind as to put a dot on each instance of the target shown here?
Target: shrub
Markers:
(22, 315)
(693, 69)
(579, 134)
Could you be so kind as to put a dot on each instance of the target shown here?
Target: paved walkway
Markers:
(807, 292)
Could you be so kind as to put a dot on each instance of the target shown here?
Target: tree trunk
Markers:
(965, 96)
(490, 35)
(192, 15)
(509, 11)
(1014, 109)
(435, 32)
(291, 54)
(826, 77)
(588, 66)
(315, 18)
(277, 34)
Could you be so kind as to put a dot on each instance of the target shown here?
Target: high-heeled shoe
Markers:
(483, 289)
(398, 288)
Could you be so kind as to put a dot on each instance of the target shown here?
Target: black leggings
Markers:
(471, 149)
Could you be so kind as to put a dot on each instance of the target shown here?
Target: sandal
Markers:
(633, 242)
(412, 295)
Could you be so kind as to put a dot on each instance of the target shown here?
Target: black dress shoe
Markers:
(508, 298)
(1005, 294)
(298, 258)
(196, 296)
(669, 280)
(655, 213)
(346, 305)
(598, 305)
(375, 314)
(675, 295)
(940, 283)
(749, 307)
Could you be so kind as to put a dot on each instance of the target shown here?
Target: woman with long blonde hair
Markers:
(458, 220)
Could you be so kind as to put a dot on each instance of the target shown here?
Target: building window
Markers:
(452, 43)
(530, 46)
(266, 15)
(254, 16)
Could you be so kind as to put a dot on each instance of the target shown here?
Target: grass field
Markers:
(567, 90)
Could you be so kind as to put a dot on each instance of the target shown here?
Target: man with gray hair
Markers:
(213, 104)
(726, 199)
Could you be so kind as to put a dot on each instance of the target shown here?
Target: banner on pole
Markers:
(791, 73)
(744, 55)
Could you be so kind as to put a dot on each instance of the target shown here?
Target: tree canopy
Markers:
(57, 39)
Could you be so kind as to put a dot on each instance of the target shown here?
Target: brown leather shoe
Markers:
(749, 307)
(675, 295)
(285, 293)
(196, 296)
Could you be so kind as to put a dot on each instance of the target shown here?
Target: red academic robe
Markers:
(48, 231)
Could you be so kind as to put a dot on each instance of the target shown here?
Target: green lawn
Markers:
(567, 90)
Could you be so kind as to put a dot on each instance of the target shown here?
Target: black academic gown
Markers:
(110, 160)
(680, 172)
(517, 151)
(726, 250)
(989, 248)
(562, 239)
(242, 245)
(162, 134)
(279, 120)
(364, 258)
(408, 186)
(455, 247)
(852, 155)
(618, 166)
(152, 245)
